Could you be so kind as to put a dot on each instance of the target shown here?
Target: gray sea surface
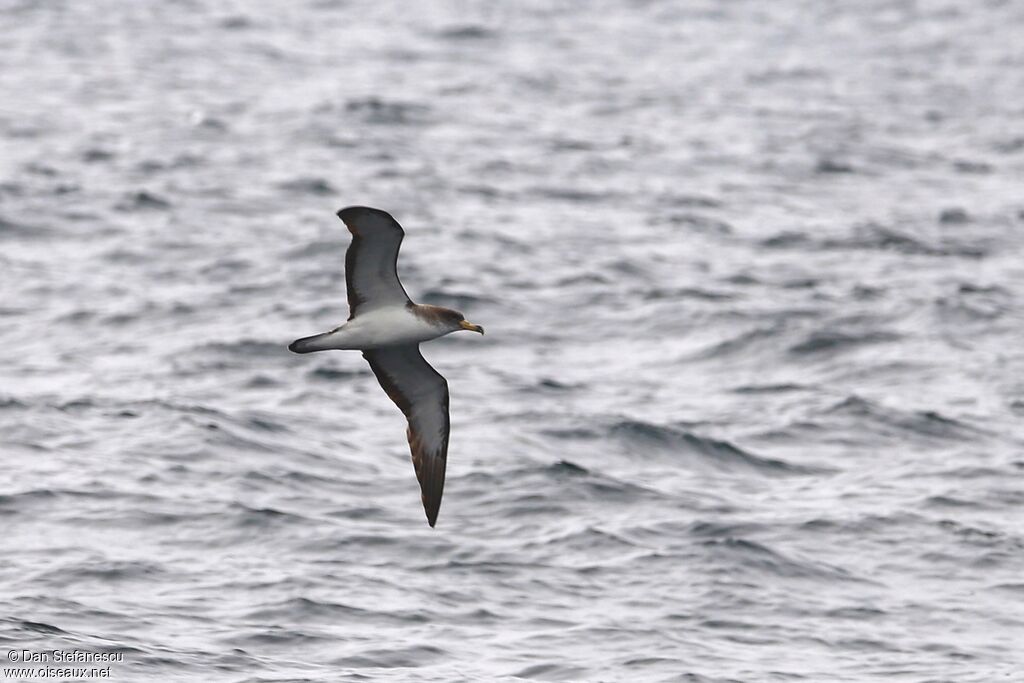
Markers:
(750, 406)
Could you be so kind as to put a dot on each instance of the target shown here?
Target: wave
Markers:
(303, 608)
(11, 403)
(543, 489)
(263, 517)
(696, 293)
(741, 553)
(375, 110)
(741, 343)
(975, 304)
(781, 388)
(143, 200)
(470, 32)
(329, 374)
(573, 194)
(877, 237)
(317, 247)
(833, 341)
(13, 229)
(309, 185)
(700, 224)
(103, 571)
(719, 454)
(389, 658)
(242, 351)
(33, 627)
(553, 672)
(927, 423)
(243, 346)
(457, 300)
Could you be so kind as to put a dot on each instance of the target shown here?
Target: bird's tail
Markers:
(318, 342)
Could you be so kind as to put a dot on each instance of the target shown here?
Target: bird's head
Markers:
(456, 321)
(447, 319)
(466, 325)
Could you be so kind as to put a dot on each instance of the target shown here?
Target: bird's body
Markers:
(388, 328)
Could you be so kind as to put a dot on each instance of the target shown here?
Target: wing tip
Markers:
(431, 511)
(348, 212)
(432, 489)
(352, 213)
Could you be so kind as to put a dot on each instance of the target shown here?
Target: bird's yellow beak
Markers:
(466, 325)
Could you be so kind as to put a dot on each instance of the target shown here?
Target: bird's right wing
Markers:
(371, 262)
(421, 393)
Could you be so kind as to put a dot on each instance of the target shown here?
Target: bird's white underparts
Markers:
(388, 328)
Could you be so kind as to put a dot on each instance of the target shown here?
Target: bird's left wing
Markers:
(421, 393)
(371, 262)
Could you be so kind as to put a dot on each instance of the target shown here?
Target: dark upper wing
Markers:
(421, 393)
(371, 262)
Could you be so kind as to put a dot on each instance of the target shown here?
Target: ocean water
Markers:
(750, 406)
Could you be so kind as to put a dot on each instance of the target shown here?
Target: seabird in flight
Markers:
(388, 327)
